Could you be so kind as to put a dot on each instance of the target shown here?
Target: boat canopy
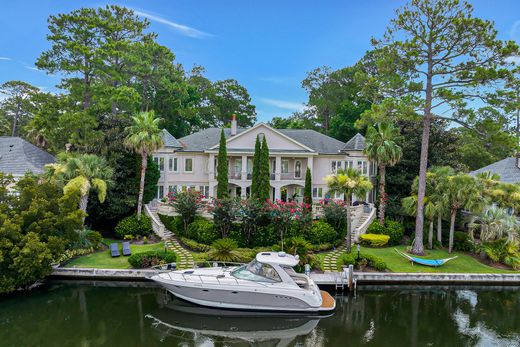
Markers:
(280, 258)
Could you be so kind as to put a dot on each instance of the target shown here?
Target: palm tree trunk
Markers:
(430, 235)
(83, 202)
(439, 228)
(349, 224)
(144, 164)
(382, 194)
(452, 229)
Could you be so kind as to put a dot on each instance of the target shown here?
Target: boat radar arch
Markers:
(280, 258)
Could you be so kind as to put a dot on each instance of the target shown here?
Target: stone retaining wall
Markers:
(108, 274)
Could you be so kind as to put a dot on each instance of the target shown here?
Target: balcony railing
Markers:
(235, 175)
(291, 176)
(272, 176)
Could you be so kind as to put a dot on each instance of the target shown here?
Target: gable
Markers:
(275, 140)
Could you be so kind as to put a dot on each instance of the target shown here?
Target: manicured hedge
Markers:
(131, 226)
(371, 260)
(172, 223)
(391, 228)
(374, 240)
(151, 258)
(203, 231)
(321, 232)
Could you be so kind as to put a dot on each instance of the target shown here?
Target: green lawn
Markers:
(462, 264)
(103, 260)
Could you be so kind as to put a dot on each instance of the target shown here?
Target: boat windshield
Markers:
(258, 272)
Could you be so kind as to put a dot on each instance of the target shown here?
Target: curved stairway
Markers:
(184, 257)
(363, 220)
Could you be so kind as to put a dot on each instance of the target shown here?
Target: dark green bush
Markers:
(321, 232)
(265, 236)
(94, 238)
(194, 245)
(371, 260)
(236, 232)
(131, 226)
(173, 224)
(151, 258)
(391, 228)
(462, 242)
(203, 231)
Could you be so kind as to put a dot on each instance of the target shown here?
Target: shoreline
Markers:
(325, 279)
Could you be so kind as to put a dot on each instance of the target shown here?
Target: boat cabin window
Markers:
(256, 271)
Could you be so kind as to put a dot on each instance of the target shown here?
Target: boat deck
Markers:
(327, 300)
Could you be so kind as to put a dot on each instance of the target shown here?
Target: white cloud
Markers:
(32, 68)
(5, 58)
(182, 29)
(284, 104)
(515, 30)
(515, 59)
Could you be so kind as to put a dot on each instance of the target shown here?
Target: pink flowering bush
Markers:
(335, 214)
(286, 214)
(186, 204)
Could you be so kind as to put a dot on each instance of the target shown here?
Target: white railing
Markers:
(211, 279)
(157, 225)
(360, 229)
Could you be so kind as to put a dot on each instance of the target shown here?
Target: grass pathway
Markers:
(184, 257)
(330, 260)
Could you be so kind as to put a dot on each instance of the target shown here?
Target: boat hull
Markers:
(242, 298)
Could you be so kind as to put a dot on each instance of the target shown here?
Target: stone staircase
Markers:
(362, 220)
(184, 257)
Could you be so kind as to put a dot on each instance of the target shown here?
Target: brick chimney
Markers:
(233, 125)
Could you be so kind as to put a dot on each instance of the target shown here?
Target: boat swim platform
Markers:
(322, 279)
(327, 301)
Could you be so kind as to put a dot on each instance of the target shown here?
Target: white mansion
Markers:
(190, 162)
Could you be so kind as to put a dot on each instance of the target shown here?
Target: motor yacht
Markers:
(268, 283)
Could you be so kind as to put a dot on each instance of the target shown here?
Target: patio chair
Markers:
(114, 250)
(126, 248)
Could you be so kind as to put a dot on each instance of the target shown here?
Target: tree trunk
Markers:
(418, 247)
(452, 229)
(439, 228)
(430, 235)
(83, 202)
(349, 224)
(15, 120)
(382, 194)
(144, 164)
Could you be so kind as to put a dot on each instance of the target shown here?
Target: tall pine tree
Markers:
(264, 184)
(256, 169)
(222, 168)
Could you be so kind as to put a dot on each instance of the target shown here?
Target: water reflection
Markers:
(102, 314)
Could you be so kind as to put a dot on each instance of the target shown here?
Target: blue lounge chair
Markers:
(126, 248)
(426, 262)
(114, 250)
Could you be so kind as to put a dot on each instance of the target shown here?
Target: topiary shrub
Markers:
(321, 232)
(202, 231)
(151, 258)
(131, 226)
(364, 259)
(374, 240)
(391, 228)
(462, 242)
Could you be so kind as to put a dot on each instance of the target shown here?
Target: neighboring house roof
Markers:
(507, 169)
(17, 156)
(169, 140)
(318, 142)
(357, 143)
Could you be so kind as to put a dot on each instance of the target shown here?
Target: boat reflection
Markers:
(178, 318)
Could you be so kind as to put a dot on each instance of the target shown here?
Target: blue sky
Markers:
(268, 46)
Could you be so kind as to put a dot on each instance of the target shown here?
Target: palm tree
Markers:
(495, 224)
(409, 205)
(460, 191)
(144, 137)
(82, 172)
(348, 181)
(381, 147)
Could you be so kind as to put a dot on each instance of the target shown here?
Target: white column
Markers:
(212, 189)
(243, 191)
(211, 166)
(277, 173)
(244, 172)
(277, 193)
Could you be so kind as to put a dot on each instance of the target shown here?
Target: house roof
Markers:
(357, 143)
(17, 156)
(207, 138)
(507, 169)
(169, 140)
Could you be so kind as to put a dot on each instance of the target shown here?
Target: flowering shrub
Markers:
(186, 204)
(283, 214)
(71, 253)
(225, 212)
(253, 215)
(335, 213)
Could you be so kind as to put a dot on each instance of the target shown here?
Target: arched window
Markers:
(298, 169)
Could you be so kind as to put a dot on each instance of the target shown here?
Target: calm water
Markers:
(72, 314)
